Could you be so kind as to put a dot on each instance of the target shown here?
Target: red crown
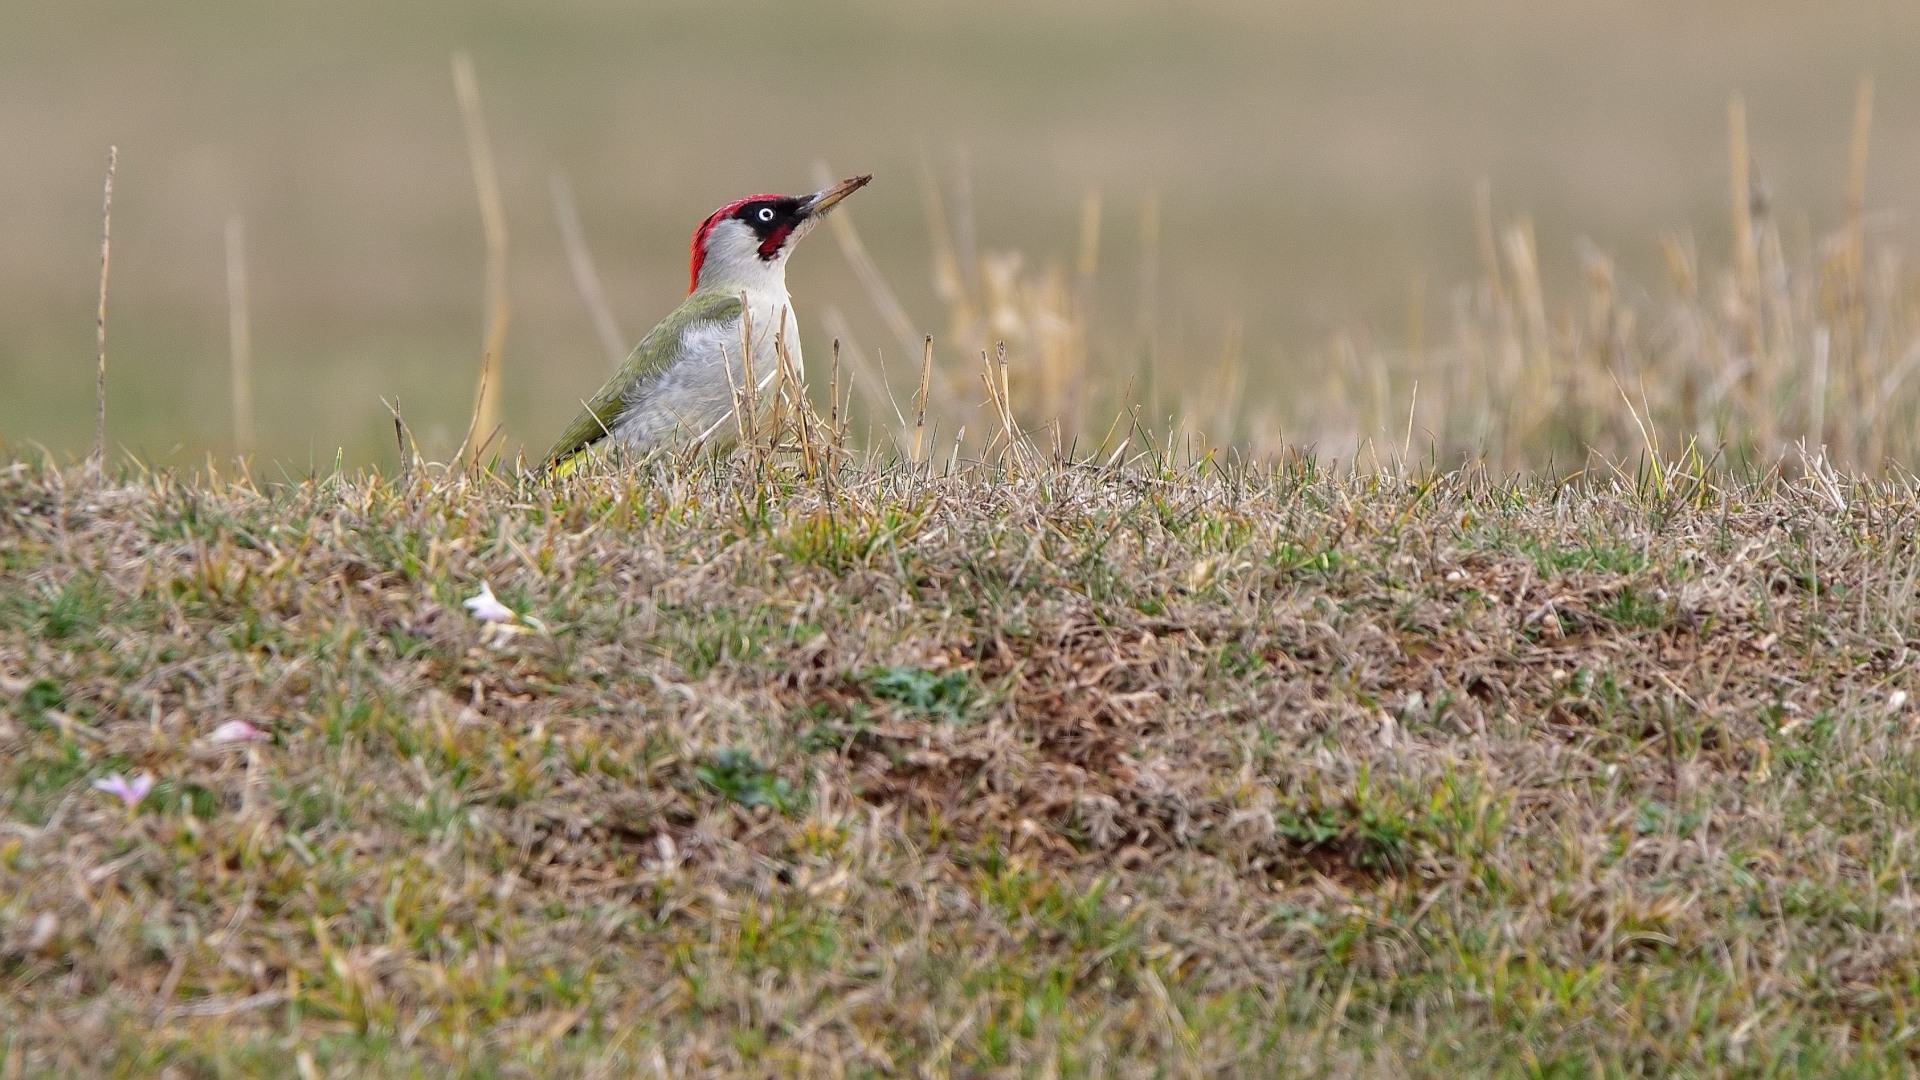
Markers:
(700, 237)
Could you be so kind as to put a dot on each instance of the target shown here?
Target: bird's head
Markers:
(748, 240)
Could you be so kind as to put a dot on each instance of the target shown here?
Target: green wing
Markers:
(659, 348)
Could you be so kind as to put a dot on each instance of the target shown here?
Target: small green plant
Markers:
(1592, 556)
(1653, 817)
(1634, 608)
(1310, 829)
(824, 727)
(74, 611)
(42, 695)
(944, 697)
(1371, 837)
(740, 779)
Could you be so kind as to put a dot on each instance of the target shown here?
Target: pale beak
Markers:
(817, 204)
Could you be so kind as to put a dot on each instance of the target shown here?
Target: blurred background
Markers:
(1254, 218)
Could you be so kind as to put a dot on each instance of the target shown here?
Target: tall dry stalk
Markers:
(1015, 449)
(1857, 183)
(1853, 263)
(106, 261)
(493, 224)
(1746, 261)
(920, 412)
(833, 416)
(791, 406)
(1532, 376)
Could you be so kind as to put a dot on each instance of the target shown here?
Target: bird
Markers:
(682, 382)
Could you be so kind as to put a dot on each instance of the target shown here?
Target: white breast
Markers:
(693, 401)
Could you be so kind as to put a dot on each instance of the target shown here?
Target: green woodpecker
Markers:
(680, 385)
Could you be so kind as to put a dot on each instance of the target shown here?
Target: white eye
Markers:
(766, 213)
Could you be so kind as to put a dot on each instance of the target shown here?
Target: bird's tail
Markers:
(561, 466)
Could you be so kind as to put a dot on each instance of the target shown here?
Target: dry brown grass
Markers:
(850, 767)
(1756, 358)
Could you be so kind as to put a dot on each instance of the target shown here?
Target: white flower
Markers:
(130, 792)
(236, 731)
(487, 608)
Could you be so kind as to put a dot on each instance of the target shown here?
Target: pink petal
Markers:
(235, 731)
(127, 791)
(112, 784)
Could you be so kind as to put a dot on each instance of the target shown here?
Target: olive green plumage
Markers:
(661, 349)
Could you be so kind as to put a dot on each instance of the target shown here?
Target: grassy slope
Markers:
(1130, 773)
